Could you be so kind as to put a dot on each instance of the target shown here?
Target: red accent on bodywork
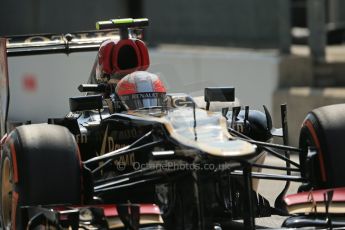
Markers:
(317, 195)
(110, 210)
(144, 55)
(312, 131)
(115, 56)
(109, 51)
(105, 55)
(79, 157)
(14, 162)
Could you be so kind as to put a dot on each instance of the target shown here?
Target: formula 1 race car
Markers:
(131, 156)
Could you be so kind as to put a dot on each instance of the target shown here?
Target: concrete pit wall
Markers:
(41, 85)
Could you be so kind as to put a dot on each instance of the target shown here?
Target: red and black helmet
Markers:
(141, 89)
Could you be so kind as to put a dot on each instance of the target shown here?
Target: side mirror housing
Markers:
(223, 94)
(83, 103)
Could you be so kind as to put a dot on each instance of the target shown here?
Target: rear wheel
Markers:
(323, 130)
(40, 165)
(6, 191)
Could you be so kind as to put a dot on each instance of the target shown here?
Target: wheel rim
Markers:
(6, 193)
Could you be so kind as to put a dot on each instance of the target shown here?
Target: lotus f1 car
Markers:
(172, 165)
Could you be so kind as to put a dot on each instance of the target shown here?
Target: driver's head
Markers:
(141, 89)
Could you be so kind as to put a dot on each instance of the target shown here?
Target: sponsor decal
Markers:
(179, 101)
(124, 134)
(104, 142)
(142, 96)
(57, 39)
(81, 138)
(41, 39)
(109, 142)
(125, 160)
(239, 127)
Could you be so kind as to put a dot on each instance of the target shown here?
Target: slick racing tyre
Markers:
(323, 131)
(40, 165)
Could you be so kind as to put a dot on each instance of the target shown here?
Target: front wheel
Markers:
(323, 131)
(40, 165)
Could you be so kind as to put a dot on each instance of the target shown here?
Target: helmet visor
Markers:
(143, 100)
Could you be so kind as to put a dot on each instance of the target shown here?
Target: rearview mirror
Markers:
(83, 103)
(223, 94)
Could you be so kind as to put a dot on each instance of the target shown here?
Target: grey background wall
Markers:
(41, 16)
(244, 23)
(252, 23)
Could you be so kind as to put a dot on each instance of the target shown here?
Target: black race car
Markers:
(169, 166)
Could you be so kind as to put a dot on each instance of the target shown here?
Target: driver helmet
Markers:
(140, 90)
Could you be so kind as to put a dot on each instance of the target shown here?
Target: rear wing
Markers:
(75, 42)
(38, 44)
(58, 43)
